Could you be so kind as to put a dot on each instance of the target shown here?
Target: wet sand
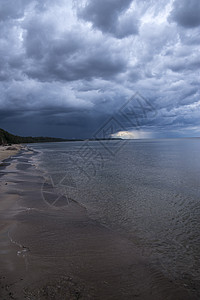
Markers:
(58, 252)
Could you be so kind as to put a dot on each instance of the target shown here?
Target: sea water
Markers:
(148, 190)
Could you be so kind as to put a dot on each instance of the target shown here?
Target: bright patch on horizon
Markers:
(133, 134)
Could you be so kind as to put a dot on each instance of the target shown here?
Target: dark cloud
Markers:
(89, 64)
(67, 67)
(186, 13)
(107, 16)
(69, 56)
(10, 10)
(185, 64)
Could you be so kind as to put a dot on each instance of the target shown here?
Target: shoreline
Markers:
(60, 253)
(9, 151)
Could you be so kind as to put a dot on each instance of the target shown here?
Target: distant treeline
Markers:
(8, 138)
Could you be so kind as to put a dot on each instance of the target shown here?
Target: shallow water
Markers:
(146, 189)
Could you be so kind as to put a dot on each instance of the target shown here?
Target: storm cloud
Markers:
(68, 66)
(186, 13)
(110, 17)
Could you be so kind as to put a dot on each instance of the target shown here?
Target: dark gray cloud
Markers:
(186, 13)
(71, 55)
(108, 17)
(67, 66)
(10, 10)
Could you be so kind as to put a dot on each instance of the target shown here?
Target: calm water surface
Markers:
(149, 190)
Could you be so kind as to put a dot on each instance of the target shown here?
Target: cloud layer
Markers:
(66, 67)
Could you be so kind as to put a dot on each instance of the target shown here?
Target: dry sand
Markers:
(60, 253)
(7, 151)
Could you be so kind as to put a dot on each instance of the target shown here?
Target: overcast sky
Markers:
(67, 66)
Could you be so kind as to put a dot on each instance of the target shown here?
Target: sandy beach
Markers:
(7, 151)
(49, 252)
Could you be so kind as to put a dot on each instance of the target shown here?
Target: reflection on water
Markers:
(149, 191)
